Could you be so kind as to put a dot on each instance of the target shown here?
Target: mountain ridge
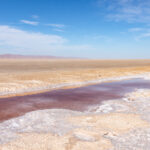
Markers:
(17, 56)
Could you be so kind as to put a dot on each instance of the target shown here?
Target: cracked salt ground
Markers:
(138, 139)
(38, 121)
(78, 99)
(105, 108)
(122, 124)
(111, 106)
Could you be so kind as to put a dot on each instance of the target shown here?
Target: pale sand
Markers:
(51, 142)
(20, 77)
(120, 129)
(89, 136)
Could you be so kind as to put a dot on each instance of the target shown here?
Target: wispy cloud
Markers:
(102, 37)
(139, 33)
(13, 39)
(142, 36)
(24, 40)
(35, 16)
(145, 35)
(136, 29)
(34, 23)
(56, 25)
(58, 29)
(127, 10)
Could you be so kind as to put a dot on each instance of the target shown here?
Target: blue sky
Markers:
(106, 29)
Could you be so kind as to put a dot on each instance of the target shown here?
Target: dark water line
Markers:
(78, 99)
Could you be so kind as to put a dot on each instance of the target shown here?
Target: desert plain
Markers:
(120, 124)
(19, 76)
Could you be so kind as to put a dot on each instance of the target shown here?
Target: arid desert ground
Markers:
(116, 124)
(29, 75)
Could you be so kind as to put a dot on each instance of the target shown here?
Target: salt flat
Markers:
(119, 124)
(118, 128)
(21, 76)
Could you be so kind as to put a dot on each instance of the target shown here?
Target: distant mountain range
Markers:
(13, 56)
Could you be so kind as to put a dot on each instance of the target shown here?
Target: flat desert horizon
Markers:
(30, 74)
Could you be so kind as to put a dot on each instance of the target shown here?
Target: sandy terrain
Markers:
(122, 124)
(126, 126)
(28, 76)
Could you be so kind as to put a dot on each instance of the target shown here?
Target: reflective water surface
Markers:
(75, 99)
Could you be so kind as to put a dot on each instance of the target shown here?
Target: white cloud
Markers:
(140, 33)
(127, 10)
(102, 38)
(58, 29)
(35, 16)
(143, 35)
(25, 42)
(135, 29)
(30, 41)
(56, 25)
(30, 22)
